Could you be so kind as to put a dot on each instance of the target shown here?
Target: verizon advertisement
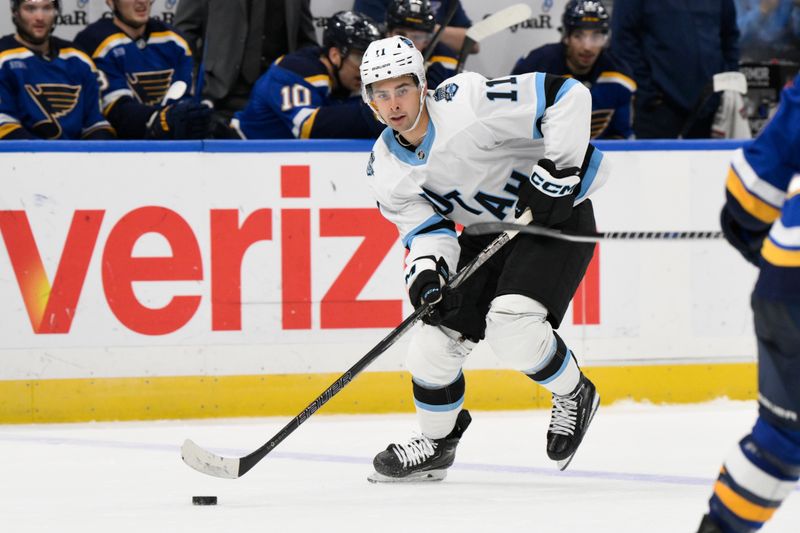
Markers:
(159, 263)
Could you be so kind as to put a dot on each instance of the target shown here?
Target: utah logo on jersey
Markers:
(150, 87)
(55, 100)
(446, 92)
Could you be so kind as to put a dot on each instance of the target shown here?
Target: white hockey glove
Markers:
(427, 277)
(549, 193)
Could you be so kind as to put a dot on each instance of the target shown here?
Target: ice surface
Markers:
(642, 468)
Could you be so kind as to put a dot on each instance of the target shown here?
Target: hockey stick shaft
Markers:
(448, 18)
(208, 463)
(485, 228)
(495, 23)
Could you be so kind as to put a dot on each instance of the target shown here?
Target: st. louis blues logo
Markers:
(150, 87)
(446, 92)
(55, 100)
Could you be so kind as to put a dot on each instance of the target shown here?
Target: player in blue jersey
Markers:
(141, 57)
(761, 219)
(310, 93)
(582, 55)
(48, 88)
(414, 19)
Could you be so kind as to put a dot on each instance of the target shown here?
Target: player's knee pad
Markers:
(436, 355)
(518, 332)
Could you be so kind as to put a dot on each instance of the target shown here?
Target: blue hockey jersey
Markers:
(137, 71)
(293, 99)
(441, 65)
(49, 97)
(610, 81)
(763, 191)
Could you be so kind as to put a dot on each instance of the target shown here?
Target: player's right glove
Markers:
(185, 119)
(747, 242)
(428, 277)
(549, 193)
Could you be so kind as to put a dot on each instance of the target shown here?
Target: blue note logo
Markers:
(150, 87)
(54, 100)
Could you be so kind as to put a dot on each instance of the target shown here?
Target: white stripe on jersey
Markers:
(299, 118)
(754, 184)
(169, 37)
(120, 40)
(72, 52)
(23, 54)
(113, 96)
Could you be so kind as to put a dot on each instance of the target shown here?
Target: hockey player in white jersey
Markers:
(479, 150)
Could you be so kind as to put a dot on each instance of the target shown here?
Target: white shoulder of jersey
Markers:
(387, 177)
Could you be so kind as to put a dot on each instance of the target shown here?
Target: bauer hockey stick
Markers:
(211, 464)
(484, 228)
(448, 17)
(516, 14)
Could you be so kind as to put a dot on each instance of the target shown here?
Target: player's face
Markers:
(421, 39)
(584, 46)
(349, 73)
(36, 19)
(397, 102)
(132, 11)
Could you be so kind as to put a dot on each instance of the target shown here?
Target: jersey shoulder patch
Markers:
(98, 38)
(446, 92)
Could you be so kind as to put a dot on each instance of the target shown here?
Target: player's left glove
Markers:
(428, 277)
(746, 241)
(185, 119)
(549, 193)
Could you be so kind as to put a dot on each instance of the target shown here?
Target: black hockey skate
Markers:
(708, 526)
(421, 458)
(569, 420)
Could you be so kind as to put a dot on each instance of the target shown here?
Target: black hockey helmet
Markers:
(414, 14)
(585, 14)
(349, 30)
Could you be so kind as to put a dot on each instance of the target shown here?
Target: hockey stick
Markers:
(211, 464)
(484, 228)
(722, 81)
(492, 24)
(448, 17)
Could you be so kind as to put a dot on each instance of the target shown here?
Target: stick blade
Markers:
(499, 21)
(730, 81)
(208, 463)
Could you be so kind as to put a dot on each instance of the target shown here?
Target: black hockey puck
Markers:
(204, 500)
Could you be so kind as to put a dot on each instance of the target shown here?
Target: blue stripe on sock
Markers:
(439, 408)
(560, 370)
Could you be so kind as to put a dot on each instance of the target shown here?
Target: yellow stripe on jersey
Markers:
(110, 42)
(749, 202)
(780, 256)
(741, 507)
(6, 129)
(66, 53)
(617, 77)
(305, 130)
(448, 61)
(320, 80)
(14, 53)
(163, 36)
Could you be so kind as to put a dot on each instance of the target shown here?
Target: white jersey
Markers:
(484, 137)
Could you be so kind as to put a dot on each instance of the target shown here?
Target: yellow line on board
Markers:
(81, 400)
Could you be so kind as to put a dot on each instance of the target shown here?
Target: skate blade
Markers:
(419, 477)
(564, 463)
